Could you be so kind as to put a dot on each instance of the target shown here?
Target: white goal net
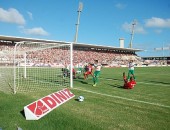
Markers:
(36, 66)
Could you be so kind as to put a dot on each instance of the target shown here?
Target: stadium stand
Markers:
(80, 57)
(82, 54)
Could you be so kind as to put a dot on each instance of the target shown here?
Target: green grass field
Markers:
(106, 107)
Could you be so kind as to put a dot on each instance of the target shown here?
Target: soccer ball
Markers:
(80, 98)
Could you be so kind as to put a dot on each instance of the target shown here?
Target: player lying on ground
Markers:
(130, 84)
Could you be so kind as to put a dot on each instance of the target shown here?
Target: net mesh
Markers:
(6, 68)
(36, 67)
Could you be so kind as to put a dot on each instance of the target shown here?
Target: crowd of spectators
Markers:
(105, 58)
(61, 57)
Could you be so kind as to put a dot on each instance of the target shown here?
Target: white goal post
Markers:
(38, 66)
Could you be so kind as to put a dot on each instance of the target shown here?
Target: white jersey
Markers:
(97, 67)
(131, 66)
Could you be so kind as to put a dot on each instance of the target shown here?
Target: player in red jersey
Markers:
(74, 73)
(130, 84)
(89, 71)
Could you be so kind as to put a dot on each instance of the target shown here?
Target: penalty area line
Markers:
(124, 98)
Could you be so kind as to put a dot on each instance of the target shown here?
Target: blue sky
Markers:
(102, 22)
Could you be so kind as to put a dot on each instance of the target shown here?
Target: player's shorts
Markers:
(131, 72)
(97, 73)
(88, 73)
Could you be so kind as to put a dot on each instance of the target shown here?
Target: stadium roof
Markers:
(105, 47)
(19, 39)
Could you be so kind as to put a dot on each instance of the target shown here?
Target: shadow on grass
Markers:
(83, 82)
(22, 113)
(76, 100)
(157, 82)
(116, 79)
(116, 86)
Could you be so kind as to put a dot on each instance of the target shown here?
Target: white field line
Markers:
(124, 98)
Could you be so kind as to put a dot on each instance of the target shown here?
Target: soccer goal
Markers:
(38, 66)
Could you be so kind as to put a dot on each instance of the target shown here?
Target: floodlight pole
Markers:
(78, 21)
(132, 34)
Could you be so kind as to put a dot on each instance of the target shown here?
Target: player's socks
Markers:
(94, 80)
